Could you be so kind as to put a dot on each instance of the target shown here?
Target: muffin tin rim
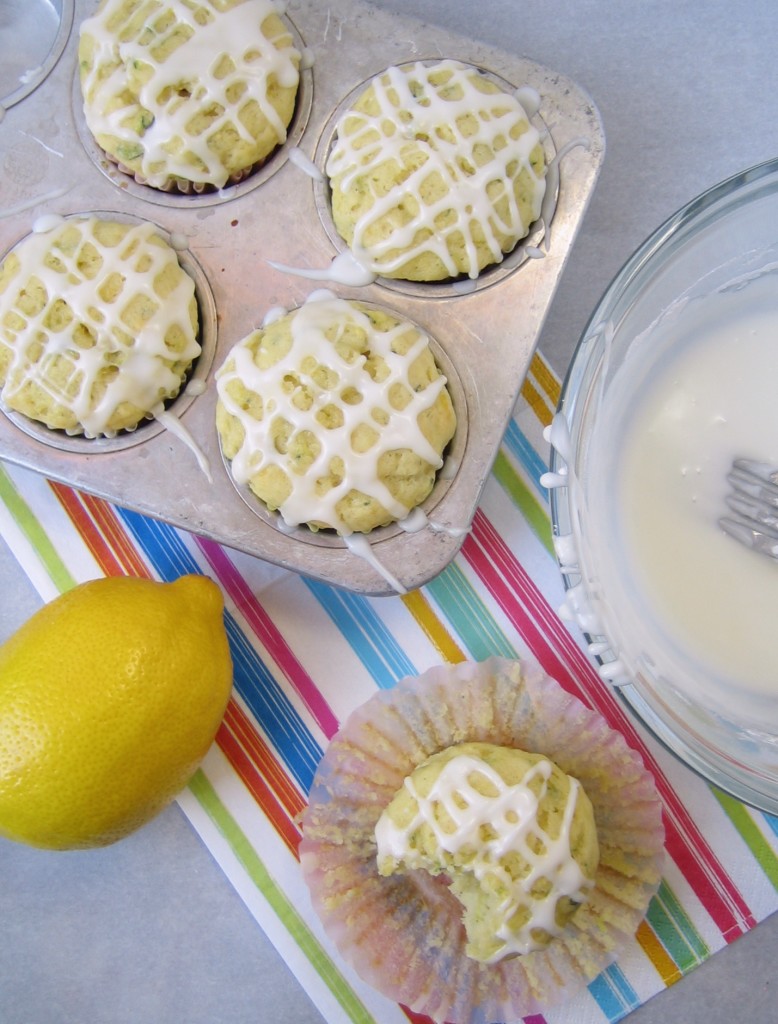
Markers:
(454, 452)
(121, 179)
(148, 427)
(67, 14)
(449, 288)
(491, 364)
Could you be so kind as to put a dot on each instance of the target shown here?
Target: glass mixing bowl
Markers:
(706, 269)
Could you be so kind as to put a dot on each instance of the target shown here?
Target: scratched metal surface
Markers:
(483, 338)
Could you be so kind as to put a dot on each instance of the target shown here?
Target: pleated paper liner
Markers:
(403, 934)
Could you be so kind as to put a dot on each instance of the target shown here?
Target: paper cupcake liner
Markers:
(403, 934)
(181, 186)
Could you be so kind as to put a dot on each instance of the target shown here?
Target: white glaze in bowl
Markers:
(673, 376)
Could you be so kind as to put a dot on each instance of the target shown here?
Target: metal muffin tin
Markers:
(483, 333)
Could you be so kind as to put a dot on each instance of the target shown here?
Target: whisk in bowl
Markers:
(753, 506)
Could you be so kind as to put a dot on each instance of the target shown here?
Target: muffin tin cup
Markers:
(439, 289)
(175, 198)
(452, 460)
(229, 239)
(33, 36)
(195, 381)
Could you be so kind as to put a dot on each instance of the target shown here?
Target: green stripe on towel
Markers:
(675, 930)
(749, 831)
(209, 800)
(523, 498)
(29, 525)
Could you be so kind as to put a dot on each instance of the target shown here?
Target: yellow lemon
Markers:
(110, 696)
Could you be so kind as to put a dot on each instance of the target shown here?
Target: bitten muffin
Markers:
(514, 834)
(403, 931)
(335, 414)
(188, 95)
(98, 325)
(435, 172)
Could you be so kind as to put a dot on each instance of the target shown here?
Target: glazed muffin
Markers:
(98, 325)
(412, 876)
(513, 833)
(188, 96)
(435, 172)
(335, 414)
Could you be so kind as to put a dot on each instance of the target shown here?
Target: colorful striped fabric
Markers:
(305, 654)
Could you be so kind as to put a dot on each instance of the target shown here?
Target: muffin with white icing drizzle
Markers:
(98, 325)
(514, 833)
(188, 96)
(335, 414)
(478, 844)
(435, 172)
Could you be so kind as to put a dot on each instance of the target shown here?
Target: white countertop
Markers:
(149, 930)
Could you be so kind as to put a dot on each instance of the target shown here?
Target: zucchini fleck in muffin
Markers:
(98, 325)
(335, 414)
(188, 95)
(479, 844)
(435, 172)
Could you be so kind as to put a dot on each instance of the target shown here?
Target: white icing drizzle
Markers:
(42, 144)
(344, 269)
(179, 241)
(451, 531)
(511, 816)
(307, 58)
(359, 545)
(47, 222)
(304, 163)
(549, 199)
(311, 348)
(144, 375)
(450, 468)
(365, 142)
(464, 287)
(30, 75)
(529, 98)
(184, 83)
(321, 293)
(418, 520)
(173, 424)
(273, 314)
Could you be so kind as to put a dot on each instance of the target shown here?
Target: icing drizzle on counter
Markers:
(185, 83)
(145, 375)
(311, 348)
(511, 816)
(364, 142)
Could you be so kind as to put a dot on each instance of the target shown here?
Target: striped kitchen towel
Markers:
(305, 654)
